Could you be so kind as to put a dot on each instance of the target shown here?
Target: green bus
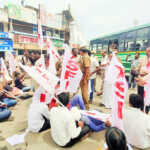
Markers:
(129, 41)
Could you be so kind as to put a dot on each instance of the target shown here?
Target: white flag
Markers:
(117, 78)
(52, 49)
(40, 34)
(71, 74)
(45, 79)
(12, 63)
(41, 62)
(54, 57)
(4, 69)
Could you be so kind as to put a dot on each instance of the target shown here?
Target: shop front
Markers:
(22, 42)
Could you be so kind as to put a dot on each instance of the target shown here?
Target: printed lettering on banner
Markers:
(119, 91)
(45, 79)
(71, 73)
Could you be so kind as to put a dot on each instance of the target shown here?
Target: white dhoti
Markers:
(107, 94)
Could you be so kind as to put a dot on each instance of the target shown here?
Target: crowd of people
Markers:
(60, 113)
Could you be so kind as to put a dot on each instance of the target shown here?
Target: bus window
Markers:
(105, 45)
(145, 45)
(139, 44)
(100, 47)
(125, 46)
(131, 46)
(121, 45)
(94, 47)
(142, 44)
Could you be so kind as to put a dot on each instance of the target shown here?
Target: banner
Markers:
(52, 49)
(45, 79)
(97, 115)
(41, 62)
(147, 87)
(12, 63)
(71, 74)
(116, 69)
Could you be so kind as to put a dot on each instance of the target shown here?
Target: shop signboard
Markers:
(6, 45)
(34, 40)
(4, 35)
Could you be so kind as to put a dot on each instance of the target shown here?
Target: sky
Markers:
(99, 17)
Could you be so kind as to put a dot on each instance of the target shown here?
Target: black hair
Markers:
(16, 74)
(38, 52)
(115, 139)
(73, 49)
(63, 98)
(84, 50)
(136, 101)
(89, 53)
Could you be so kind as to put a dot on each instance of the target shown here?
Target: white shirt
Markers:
(63, 126)
(35, 116)
(137, 128)
(94, 64)
(37, 95)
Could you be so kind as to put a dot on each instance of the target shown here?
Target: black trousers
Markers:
(84, 131)
(46, 124)
(141, 93)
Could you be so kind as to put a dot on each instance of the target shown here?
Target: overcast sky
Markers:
(98, 17)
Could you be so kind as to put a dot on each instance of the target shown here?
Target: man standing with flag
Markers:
(85, 64)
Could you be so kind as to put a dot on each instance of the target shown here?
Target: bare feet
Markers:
(99, 94)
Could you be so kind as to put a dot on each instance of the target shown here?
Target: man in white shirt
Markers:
(65, 131)
(94, 66)
(38, 117)
(137, 123)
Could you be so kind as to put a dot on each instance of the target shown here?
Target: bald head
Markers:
(148, 52)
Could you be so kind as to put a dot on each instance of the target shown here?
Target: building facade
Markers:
(21, 22)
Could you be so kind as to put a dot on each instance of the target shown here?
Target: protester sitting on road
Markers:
(19, 78)
(95, 124)
(6, 96)
(134, 117)
(38, 117)
(76, 101)
(65, 131)
(116, 140)
(4, 112)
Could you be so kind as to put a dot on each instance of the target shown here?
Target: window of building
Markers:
(121, 45)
